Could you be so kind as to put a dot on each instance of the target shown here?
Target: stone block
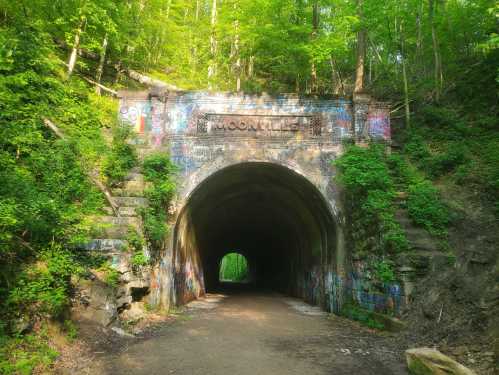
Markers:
(130, 201)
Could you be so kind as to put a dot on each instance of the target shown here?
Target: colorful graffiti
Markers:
(137, 114)
(387, 298)
(379, 123)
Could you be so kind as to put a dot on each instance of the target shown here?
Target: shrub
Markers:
(42, 290)
(139, 259)
(122, 156)
(353, 311)
(426, 209)
(24, 354)
(370, 198)
(159, 171)
(111, 275)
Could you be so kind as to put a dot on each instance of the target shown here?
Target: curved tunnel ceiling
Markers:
(272, 215)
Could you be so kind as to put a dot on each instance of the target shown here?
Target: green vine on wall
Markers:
(159, 173)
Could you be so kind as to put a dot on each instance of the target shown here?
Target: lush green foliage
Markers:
(458, 146)
(23, 354)
(426, 208)
(42, 289)
(233, 267)
(370, 194)
(159, 172)
(442, 56)
(46, 199)
(363, 316)
(122, 156)
(136, 243)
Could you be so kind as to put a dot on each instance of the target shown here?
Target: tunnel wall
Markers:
(205, 133)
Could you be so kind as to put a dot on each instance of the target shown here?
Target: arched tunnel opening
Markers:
(276, 218)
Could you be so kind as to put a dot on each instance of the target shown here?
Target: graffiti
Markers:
(361, 113)
(378, 122)
(358, 287)
(137, 115)
(181, 155)
(311, 285)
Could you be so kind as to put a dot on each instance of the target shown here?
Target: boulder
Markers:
(427, 361)
(97, 302)
(135, 312)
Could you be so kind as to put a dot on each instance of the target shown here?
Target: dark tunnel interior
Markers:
(272, 215)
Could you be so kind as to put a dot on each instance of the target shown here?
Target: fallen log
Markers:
(149, 81)
(93, 176)
(107, 89)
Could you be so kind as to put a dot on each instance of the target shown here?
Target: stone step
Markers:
(413, 232)
(117, 227)
(106, 245)
(130, 201)
(122, 211)
(128, 192)
(135, 176)
(423, 244)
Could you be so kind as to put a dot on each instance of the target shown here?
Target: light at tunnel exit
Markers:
(233, 268)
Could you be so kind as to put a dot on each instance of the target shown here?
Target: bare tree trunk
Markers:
(361, 52)
(315, 31)
(436, 52)
(419, 27)
(338, 86)
(238, 58)
(168, 6)
(76, 47)
(404, 77)
(102, 60)
(213, 44)
(251, 66)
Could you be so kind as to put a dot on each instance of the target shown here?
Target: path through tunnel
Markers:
(272, 215)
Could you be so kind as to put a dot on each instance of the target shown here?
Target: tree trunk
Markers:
(419, 27)
(338, 86)
(251, 66)
(404, 77)
(437, 69)
(237, 54)
(213, 44)
(152, 82)
(76, 47)
(315, 31)
(361, 52)
(238, 58)
(102, 60)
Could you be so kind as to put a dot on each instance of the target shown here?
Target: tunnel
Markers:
(272, 215)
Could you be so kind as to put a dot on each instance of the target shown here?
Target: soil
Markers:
(248, 333)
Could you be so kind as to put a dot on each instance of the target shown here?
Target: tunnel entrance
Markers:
(278, 219)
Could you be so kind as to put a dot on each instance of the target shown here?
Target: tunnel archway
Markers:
(281, 222)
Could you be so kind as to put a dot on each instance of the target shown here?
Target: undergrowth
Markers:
(159, 173)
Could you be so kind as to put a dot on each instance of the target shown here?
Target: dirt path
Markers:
(255, 334)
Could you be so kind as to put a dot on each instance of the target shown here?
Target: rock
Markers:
(22, 325)
(427, 361)
(100, 302)
(134, 313)
(121, 332)
(125, 300)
